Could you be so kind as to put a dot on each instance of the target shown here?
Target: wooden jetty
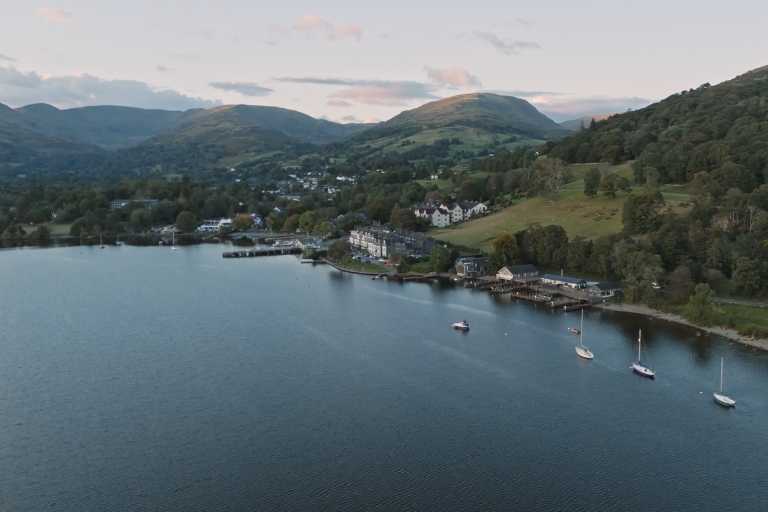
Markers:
(262, 252)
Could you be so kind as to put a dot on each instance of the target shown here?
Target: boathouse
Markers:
(471, 267)
(525, 274)
(605, 291)
(564, 281)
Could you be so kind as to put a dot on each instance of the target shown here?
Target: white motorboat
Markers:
(581, 350)
(720, 398)
(638, 367)
(462, 326)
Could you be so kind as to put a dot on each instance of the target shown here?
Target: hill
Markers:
(575, 125)
(239, 121)
(107, 127)
(461, 123)
(717, 129)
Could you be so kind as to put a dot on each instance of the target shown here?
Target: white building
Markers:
(439, 217)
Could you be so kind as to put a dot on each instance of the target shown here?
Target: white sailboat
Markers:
(581, 350)
(638, 367)
(173, 241)
(720, 398)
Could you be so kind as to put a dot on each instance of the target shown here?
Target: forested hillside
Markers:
(722, 130)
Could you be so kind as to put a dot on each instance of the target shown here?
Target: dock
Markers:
(262, 252)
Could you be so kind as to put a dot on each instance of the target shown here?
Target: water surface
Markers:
(144, 378)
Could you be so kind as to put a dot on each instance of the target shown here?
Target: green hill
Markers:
(464, 122)
(719, 129)
(239, 121)
(107, 127)
(575, 125)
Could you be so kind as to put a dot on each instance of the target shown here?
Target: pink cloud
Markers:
(54, 15)
(314, 23)
(338, 103)
(454, 76)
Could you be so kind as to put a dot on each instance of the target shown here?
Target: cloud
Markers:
(312, 23)
(244, 88)
(560, 106)
(523, 22)
(7, 58)
(506, 47)
(351, 119)
(19, 88)
(390, 93)
(338, 103)
(162, 69)
(454, 77)
(54, 15)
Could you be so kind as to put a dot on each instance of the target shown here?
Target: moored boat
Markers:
(581, 350)
(462, 326)
(638, 367)
(720, 398)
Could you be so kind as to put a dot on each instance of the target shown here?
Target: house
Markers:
(525, 274)
(605, 291)
(564, 281)
(277, 210)
(472, 208)
(119, 204)
(455, 212)
(439, 217)
(471, 267)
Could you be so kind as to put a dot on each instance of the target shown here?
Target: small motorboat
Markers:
(574, 330)
(462, 326)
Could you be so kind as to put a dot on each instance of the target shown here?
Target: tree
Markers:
(470, 190)
(292, 223)
(552, 175)
(242, 222)
(608, 185)
(748, 276)
(402, 218)
(186, 222)
(141, 219)
(322, 228)
(591, 182)
(380, 208)
(34, 217)
(440, 259)
(699, 308)
(680, 283)
(308, 220)
(505, 251)
(338, 250)
(274, 221)
(41, 233)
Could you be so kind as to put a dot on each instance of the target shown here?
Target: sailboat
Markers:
(720, 398)
(173, 240)
(638, 367)
(100, 242)
(581, 350)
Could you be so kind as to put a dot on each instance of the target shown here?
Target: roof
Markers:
(522, 269)
(564, 279)
(611, 285)
(468, 205)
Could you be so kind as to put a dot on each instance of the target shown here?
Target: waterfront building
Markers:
(523, 274)
(382, 243)
(605, 291)
(119, 204)
(472, 267)
(564, 281)
(439, 217)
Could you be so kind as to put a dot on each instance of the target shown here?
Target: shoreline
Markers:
(730, 334)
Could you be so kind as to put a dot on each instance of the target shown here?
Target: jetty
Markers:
(271, 251)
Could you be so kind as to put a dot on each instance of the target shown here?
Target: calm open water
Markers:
(147, 379)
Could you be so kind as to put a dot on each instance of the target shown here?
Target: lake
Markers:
(140, 378)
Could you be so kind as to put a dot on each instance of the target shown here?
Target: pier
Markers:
(262, 252)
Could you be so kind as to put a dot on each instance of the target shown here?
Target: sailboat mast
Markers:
(721, 375)
(581, 330)
(639, 337)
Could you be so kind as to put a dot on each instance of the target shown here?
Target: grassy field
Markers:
(367, 267)
(59, 229)
(578, 214)
(742, 316)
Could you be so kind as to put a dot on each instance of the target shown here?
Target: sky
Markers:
(367, 61)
